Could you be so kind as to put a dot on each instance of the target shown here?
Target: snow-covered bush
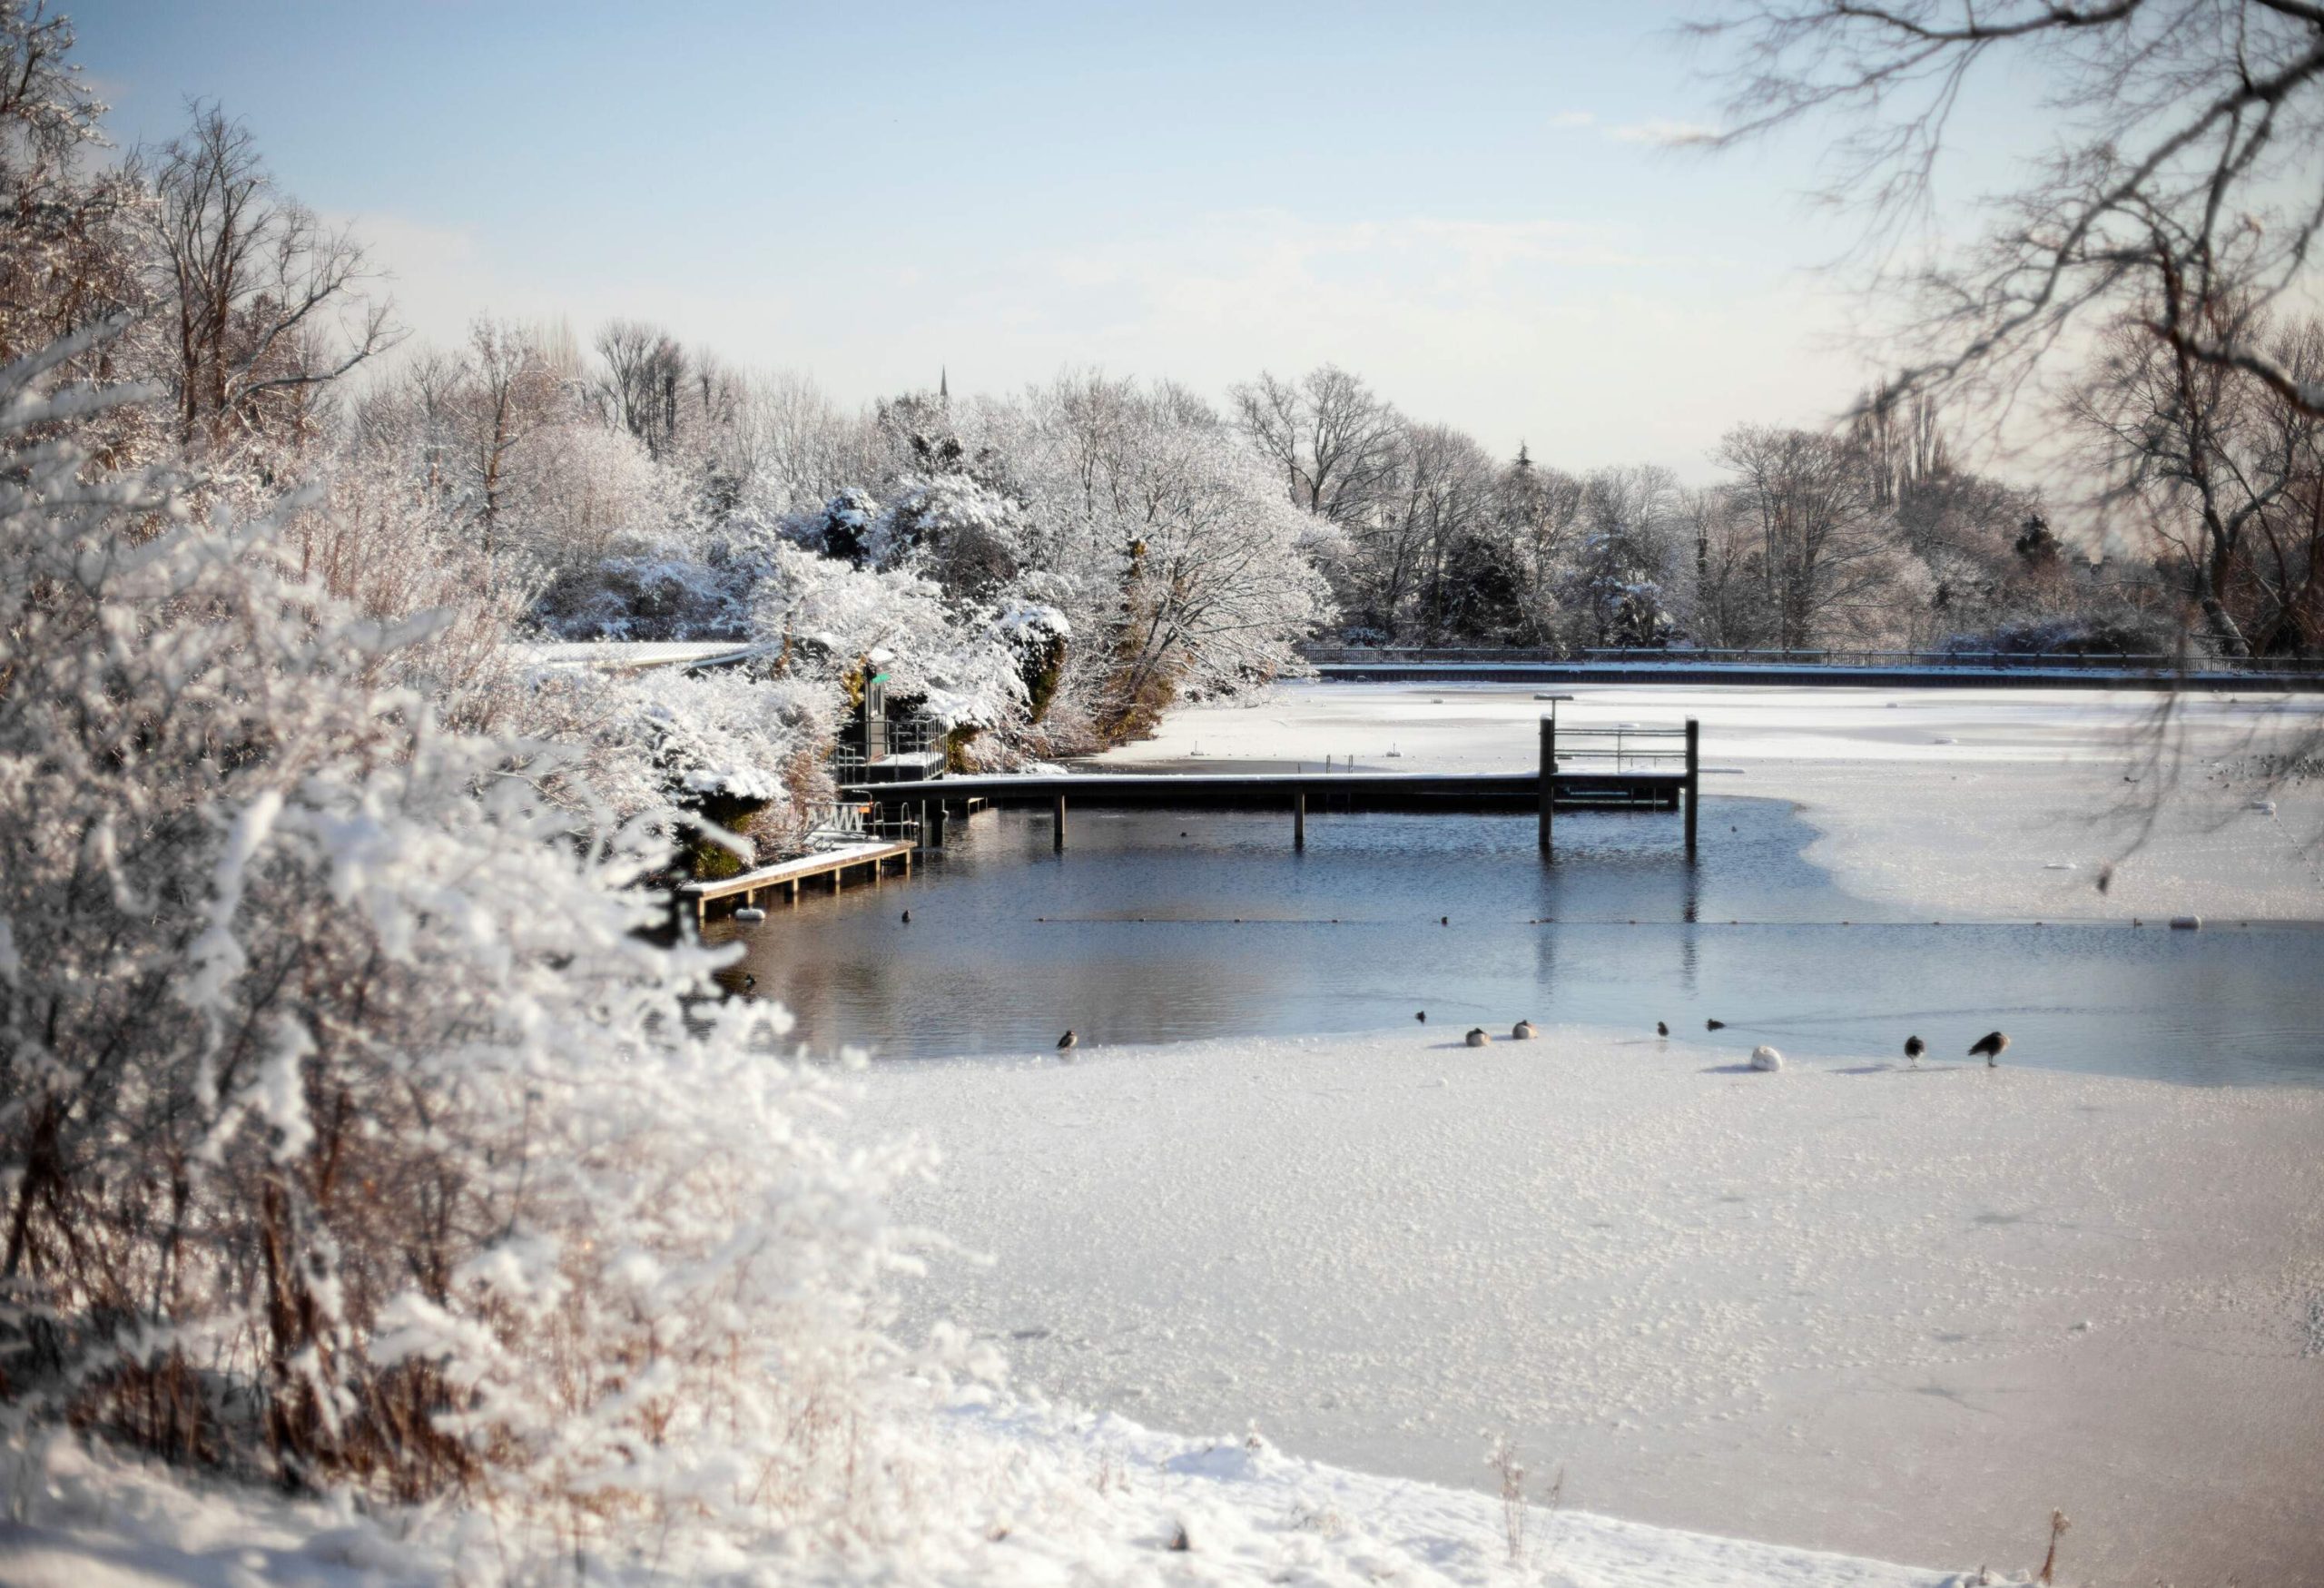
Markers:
(822, 617)
(662, 587)
(968, 537)
(349, 1130)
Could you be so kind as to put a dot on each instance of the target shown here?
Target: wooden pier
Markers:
(1651, 771)
(785, 876)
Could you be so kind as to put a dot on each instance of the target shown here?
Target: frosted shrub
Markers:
(349, 1131)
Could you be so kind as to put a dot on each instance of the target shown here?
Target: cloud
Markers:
(1662, 133)
(1573, 118)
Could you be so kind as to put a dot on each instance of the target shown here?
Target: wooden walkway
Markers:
(786, 876)
(1540, 793)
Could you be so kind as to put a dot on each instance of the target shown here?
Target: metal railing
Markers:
(2123, 661)
(916, 735)
(1624, 745)
(843, 822)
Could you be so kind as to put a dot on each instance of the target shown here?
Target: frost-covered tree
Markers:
(349, 1130)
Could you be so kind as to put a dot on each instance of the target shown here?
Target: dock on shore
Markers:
(786, 876)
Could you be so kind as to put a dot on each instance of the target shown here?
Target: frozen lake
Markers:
(1167, 926)
(1847, 1306)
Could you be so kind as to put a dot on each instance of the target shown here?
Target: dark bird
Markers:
(1444, 920)
(1714, 1025)
(1988, 1048)
(1915, 1047)
(1662, 1028)
(907, 918)
(1067, 1042)
(1422, 1016)
(749, 980)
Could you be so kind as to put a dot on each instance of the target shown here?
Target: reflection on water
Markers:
(1159, 926)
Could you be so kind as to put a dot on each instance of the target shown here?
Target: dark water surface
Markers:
(1159, 926)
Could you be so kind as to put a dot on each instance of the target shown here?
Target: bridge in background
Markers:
(1858, 669)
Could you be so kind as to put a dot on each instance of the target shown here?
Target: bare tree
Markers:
(1822, 557)
(645, 377)
(2225, 470)
(266, 303)
(1902, 440)
(2185, 174)
(514, 392)
(1330, 436)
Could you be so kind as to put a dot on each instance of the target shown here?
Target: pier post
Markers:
(1549, 777)
(1299, 818)
(1694, 780)
(1057, 826)
(931, 821)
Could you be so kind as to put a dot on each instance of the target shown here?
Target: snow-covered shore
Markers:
(1037, 1495)
(1849, 1305)
(1959, 800)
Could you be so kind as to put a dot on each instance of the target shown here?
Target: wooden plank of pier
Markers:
(1481, 792)
(787, 874)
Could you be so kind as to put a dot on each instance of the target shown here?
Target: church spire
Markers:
(943, 386)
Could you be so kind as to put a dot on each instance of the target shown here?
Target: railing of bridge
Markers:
(2139, 662)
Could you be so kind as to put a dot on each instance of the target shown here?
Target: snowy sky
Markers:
(1469, 205)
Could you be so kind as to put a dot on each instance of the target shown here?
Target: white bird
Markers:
(1765, 1058)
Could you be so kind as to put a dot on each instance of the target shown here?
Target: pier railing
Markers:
(1625, 745)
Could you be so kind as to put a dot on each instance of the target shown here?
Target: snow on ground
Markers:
(1847, 1306)
(1038, 1495)
(1960, 800)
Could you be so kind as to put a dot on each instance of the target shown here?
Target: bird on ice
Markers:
(1476, 1037)
(1662, 1028)
(1524, 1030)
(1988, 1048)
(1068, 1042)
(1915, 1047)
